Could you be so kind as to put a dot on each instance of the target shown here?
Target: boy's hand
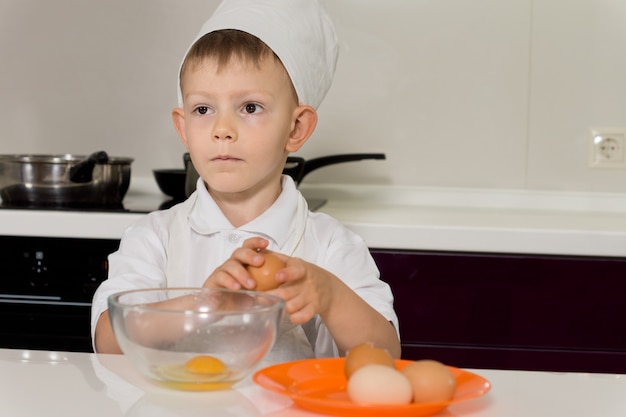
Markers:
(306, 288)
(232, 274)
(309, 290)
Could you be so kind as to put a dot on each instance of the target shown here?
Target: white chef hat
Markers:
(299, 32)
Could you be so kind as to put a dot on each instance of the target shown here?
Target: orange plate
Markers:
(320, 385)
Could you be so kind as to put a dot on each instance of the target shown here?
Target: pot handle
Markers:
(83, 171)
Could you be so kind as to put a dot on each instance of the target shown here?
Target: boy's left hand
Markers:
(306, 288)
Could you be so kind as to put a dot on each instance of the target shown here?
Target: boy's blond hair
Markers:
(226, 44)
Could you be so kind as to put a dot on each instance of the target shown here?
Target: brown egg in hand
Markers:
(366, 354)
(265, 275)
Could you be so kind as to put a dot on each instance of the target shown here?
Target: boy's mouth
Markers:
(220, 158)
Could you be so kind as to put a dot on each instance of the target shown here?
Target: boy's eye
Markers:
(202, 110)
(251, 108)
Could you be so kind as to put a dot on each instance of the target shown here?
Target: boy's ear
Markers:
(305, 120)
(178, 117)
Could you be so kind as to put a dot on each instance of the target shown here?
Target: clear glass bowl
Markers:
(195, 338)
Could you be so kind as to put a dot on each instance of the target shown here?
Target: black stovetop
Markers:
(131, 204)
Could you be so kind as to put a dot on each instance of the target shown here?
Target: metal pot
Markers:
(296, 167)
(66, 180)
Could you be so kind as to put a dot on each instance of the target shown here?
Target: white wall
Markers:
(461, 93)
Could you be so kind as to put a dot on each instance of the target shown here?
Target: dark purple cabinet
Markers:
(506, 311)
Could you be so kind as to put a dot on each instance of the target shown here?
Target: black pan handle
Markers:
(322, 161)
(294, 167)
(83, 171)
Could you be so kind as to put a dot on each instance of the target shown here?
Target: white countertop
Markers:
(474, 220)
(51, 384)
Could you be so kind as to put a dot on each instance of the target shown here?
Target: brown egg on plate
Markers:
(431, 380)
(366, 354)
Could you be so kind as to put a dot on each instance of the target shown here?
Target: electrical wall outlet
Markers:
(607, 148)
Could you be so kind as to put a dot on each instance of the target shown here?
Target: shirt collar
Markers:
(274, 224)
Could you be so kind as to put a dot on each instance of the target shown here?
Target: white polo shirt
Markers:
(141, 261)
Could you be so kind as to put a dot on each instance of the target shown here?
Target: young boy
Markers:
(248, 91)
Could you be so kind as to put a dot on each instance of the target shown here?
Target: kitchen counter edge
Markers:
(406, 218)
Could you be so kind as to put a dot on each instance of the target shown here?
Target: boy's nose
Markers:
(220, 136)
(223, 130)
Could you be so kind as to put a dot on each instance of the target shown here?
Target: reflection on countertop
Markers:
(67, 384)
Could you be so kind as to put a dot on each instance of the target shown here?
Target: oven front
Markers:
(46, 288)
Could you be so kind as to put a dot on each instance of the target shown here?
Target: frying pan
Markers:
(296, 167)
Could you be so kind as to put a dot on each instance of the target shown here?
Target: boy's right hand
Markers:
(232, 274)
